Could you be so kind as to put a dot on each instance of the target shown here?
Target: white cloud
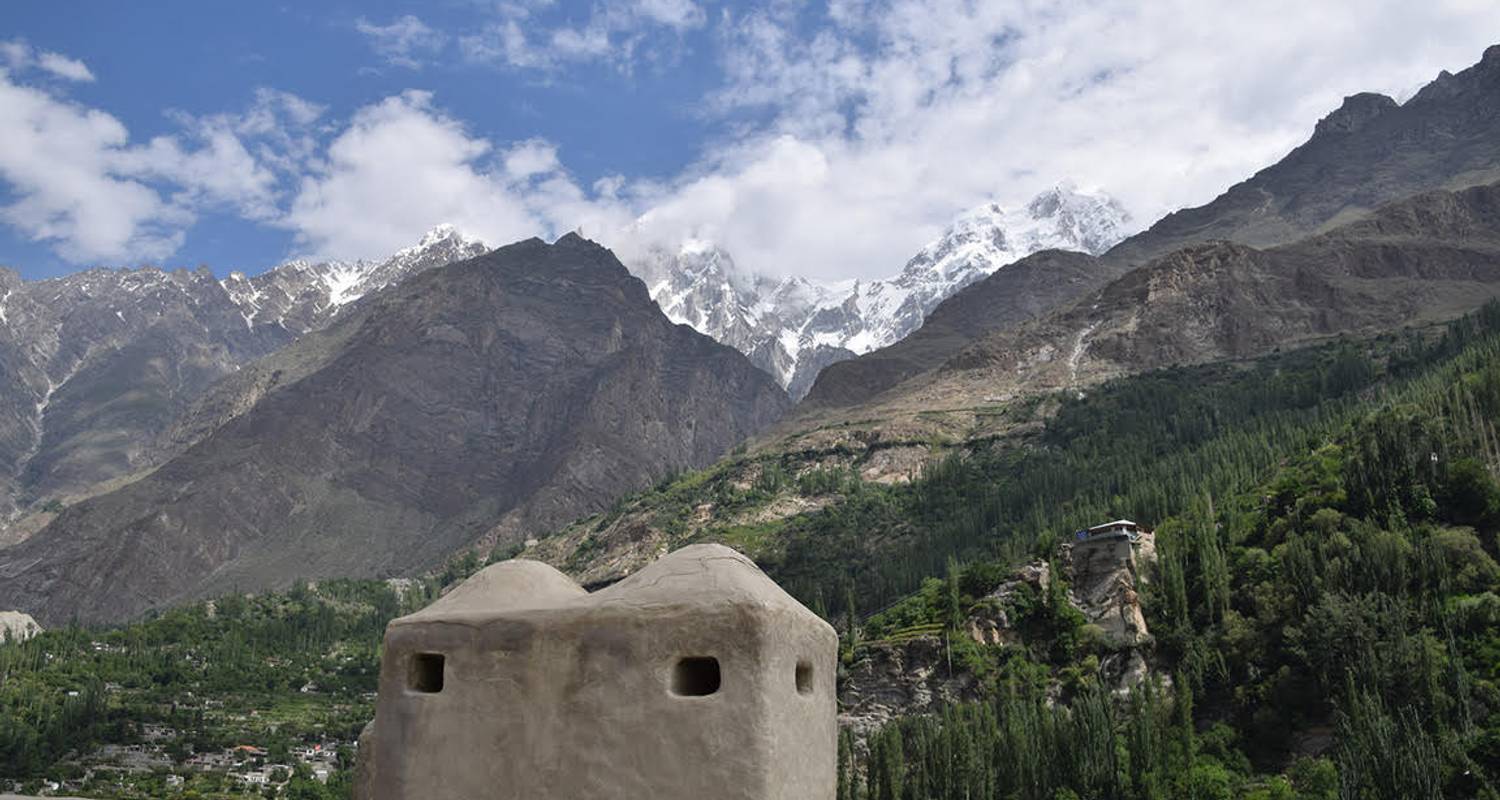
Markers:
(505, 43)
(617, 32)
(64, 67)
(19, 56)
(220, 172)
(676, 14)
(62, 162)
(405, 42)
(847, 134)
(402, 166)
(531, 158)
(16, 53)
(82, 187)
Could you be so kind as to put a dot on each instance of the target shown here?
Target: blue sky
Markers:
(203, 58)
(830, 139)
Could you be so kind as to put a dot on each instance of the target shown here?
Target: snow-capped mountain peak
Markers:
(301, 294)
(794, 327)
(442, 236)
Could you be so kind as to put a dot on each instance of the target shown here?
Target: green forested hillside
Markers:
(1143, 447)
(1351, 594)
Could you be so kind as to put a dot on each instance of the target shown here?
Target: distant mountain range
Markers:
(794, 327)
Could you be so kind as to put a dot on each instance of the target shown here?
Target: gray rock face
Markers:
(697, 677)
(486, 401)
(896, 680)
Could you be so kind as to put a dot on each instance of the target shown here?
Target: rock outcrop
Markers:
(991, 619)
(894, 680)
(17, 627)
(917, 675)
(1104, 576)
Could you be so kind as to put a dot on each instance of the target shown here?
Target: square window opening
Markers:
(804, 677)
(696, 677)
(424, 673)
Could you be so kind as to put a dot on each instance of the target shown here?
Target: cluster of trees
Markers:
(69, 690)
(1023, 747)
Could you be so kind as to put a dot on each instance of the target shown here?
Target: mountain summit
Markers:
(794, 327)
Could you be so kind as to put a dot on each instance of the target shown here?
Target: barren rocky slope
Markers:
(1431, 257)
(478, 401)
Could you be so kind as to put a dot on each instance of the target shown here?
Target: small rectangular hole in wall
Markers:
(804, 677)
(424, 673)
(695, 677)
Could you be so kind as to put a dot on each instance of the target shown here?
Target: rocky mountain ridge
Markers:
(101, 362)
(478, 402)
(1428, 258)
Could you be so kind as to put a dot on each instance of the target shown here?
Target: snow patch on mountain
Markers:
(794, 327)
(301, 295)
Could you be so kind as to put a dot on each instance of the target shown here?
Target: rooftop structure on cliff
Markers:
(1119, 529)
(696, 677)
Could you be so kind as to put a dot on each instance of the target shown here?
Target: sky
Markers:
(824, 139)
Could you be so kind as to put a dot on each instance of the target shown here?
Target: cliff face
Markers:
(895, 680)
(919, 676)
